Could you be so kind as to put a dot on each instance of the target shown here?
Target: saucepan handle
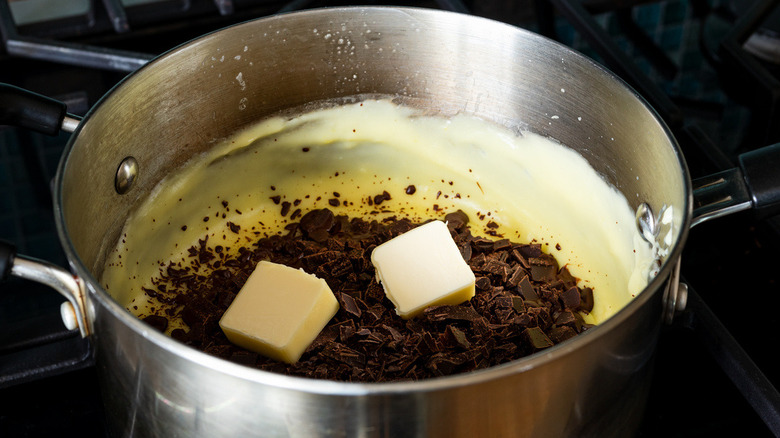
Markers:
(59, 279)
(30, 359)
(754, 184)
(56, 353)
(25, 109)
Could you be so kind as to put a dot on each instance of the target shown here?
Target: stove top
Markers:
(715, 370)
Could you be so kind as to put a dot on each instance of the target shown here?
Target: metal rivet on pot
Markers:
(646, 222)
(125, 175)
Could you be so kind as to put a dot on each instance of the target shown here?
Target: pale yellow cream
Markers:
(533, 188)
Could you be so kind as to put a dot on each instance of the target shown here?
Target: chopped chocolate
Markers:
(560, 334)
(518, 304)
(342, 353)
(457, 220)
(158, 322)
(523, 303)
(384, 196)
(234, 227)
(571, 298)
(456, 337)
(565, 276)
(483, 283)
(569, 318)
(536, 339)
(454, 313)
(543, 268)
(531, 251)
(349, 304)
(586, 295)
(527, 290)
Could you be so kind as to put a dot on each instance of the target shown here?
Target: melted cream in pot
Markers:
(533, 188)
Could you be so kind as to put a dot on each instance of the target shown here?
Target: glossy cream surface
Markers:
(532, 188)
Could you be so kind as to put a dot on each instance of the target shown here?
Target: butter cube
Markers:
(421, 268)
(279, 312)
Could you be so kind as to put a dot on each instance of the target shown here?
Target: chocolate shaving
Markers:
(349, 305)
(456, 337)
(522, 303)
(451, 313)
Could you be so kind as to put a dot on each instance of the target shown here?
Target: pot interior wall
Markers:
(182, 103)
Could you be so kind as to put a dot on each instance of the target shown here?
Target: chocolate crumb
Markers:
(523, 303)
(160, 323)
(378, 199)
(285, 208)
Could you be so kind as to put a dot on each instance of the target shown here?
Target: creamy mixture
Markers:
(530, 187)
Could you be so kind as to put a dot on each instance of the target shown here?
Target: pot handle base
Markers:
(755, 184)
(67, 284)
(30, 110)
(761, 168)
(33, 353)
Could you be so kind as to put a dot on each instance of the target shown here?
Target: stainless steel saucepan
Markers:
(177, 105)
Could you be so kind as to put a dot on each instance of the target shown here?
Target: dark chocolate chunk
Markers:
(568, 279)
(536, 338)
(465, 251)
(344, 354)
(316, 224)
(234, 227)
(457, 220)
(456, 337)
(346, 330)
(586, 295)
(518, 304)
(514, 278)
(160, 323)
(560, 334)
(384, 196)
(455, 313)
(502, 244)
(482, 244)
(482, 283)
(543, 268)
(530, 251)
(569, 318)
(527, 290)
(349, 305)
(570, 298)
(441, 364)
